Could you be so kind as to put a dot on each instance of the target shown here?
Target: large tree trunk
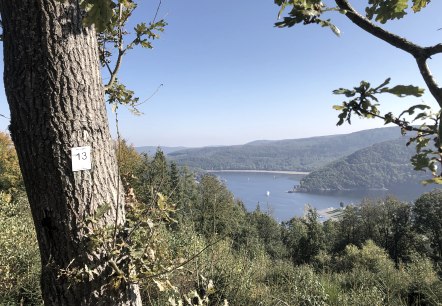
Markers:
(55, 93)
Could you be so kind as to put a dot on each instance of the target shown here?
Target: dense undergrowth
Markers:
(213, 252)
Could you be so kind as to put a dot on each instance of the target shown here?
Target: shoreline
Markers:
(261, 171)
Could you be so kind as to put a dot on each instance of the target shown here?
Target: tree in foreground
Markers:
(363, 101)
(56, 98)
(428, 220)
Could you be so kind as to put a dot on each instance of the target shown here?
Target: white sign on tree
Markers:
(81, 158)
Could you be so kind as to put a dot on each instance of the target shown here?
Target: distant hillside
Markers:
(381, 165)
(304, 154)
(150, 150)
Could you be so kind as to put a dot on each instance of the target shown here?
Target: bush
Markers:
(296, 286)
(425, 286)
(363, 297)
(369, 257)
(19, 255)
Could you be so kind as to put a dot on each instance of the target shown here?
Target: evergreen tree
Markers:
(313, 242)
(175, 186)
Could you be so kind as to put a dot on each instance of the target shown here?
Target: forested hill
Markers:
(150, 150)
(304, 154)
(379, 166)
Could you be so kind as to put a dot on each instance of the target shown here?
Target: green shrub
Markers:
(362, 296)
(19, 255)
(369, 257)
(425, 286)
(296, 286)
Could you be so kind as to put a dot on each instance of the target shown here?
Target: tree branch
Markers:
(434, 88)
(399, 122)
(365, 24)
(103, 53)
(156, 13)
(421, 54)
(114, 73)
(121, 50)
(429, 51)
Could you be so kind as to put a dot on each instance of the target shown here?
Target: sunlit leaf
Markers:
(405, 90)
(382, 10)
(419, 5)
(434, 180)
(338, 107)
(412, 109)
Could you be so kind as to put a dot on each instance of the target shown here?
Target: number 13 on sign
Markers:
(81, 158)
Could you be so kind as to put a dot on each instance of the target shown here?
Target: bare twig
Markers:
(188, 260)
(151, 96)
(114, 240)
(156, 13)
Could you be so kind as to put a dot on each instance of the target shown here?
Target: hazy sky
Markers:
(229, 76)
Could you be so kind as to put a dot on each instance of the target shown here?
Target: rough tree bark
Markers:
(55, 94)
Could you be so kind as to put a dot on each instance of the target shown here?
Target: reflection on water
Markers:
(270, 191)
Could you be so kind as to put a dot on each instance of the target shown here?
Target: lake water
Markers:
(252, 188)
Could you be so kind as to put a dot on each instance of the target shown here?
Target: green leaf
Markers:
(327, 23)
(403, 91)
(304, 12)
(412, 109)
(419, 5)
(365, 104)
(420, 160)
(146, 44)
(383, 10)
(342, 116)
(434, 180)
(283, 5)
(386, 82)
(338, 107)
(388, 118)
(99, 13)
(140, 28)
(420, 116)
(421, 143)
(342, 91)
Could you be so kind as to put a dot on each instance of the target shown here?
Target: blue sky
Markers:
(231, 77)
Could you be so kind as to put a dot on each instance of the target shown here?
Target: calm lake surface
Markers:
(252, 188)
